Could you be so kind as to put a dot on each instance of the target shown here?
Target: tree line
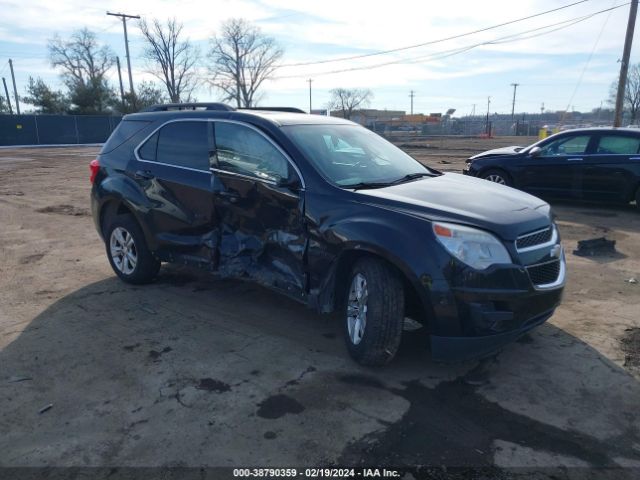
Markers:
(239, 60)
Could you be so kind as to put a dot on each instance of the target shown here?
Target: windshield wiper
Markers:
(365, 185)
(406, 178)
(411, 176)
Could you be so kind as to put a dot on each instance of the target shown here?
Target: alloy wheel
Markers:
(123, 250)
(496, 179)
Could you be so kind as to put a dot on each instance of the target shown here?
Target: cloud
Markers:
(331, 29)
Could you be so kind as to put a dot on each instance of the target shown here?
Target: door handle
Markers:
(575, 159)
(144, 175)
(634, 158)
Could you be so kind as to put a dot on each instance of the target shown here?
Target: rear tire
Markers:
(127, 251)
(498, 176)
(373, 312)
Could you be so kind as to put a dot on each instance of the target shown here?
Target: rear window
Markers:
(618, 145)
(123, 132)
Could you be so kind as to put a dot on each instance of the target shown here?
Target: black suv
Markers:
(332, 215)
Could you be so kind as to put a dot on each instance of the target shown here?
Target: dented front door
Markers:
(262, 232)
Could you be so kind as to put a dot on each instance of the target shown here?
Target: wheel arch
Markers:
(416, 305)
(112, 207)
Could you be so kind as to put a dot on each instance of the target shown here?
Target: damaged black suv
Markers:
(332, 215)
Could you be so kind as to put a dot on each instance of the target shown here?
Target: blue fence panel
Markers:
(56, 129)
(18, 130)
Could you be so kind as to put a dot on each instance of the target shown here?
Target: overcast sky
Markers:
(547, 62)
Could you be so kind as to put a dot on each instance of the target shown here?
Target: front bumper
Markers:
(447, 349)
(477, 314)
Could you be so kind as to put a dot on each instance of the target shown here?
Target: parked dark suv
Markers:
(332, 215)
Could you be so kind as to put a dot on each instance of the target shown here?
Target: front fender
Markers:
(402, 241)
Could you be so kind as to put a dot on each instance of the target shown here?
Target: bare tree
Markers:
(171, 58)
(347, 100)
(84, 66)
(241, 58)
(631, 93)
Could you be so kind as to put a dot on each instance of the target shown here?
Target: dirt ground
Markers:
(192, 371)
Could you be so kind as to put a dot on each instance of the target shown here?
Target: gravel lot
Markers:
(195, 371)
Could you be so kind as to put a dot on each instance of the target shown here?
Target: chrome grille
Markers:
(544, 273)
(533, 239)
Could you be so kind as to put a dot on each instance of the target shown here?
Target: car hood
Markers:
(499, 151)
(457, 198)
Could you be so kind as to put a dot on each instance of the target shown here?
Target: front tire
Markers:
(374, 312)
(498, 176)
(128, 253)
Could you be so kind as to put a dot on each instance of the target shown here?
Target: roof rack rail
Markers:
(188, 106)
(276, 109)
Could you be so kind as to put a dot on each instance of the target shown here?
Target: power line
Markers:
(431, 42)
(457, 51)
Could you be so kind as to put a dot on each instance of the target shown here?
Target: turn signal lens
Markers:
(442, 231)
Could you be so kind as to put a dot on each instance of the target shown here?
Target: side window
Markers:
(242, 150)
(148, 150)
(184, 144)
(566, 146)
(618, 145)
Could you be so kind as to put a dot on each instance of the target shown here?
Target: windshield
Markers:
(351, 156)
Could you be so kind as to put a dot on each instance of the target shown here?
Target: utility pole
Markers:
(310, 80)
(15, 90)
(624, 65)
(599, 111)
(6, 91)
(473, 110)
(487, 128)
(411, 95)
(120, 80)
(124, 18)
(513, 103)
(542, 109)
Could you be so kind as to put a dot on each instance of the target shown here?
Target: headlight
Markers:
(476, 248)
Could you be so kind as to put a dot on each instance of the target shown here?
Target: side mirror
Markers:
(535, 152)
